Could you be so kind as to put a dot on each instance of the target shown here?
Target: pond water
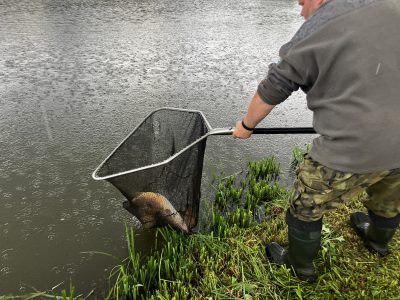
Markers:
(76, 76)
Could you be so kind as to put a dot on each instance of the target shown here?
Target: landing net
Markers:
(163, 155)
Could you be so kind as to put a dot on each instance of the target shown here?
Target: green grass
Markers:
(228, 260)
(206, 266)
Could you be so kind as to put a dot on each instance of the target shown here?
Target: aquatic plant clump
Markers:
(240, 202)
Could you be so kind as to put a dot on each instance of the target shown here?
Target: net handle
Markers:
(272, 130)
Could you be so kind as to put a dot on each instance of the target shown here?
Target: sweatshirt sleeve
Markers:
(281, 81)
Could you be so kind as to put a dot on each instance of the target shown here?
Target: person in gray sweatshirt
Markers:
(346, 58)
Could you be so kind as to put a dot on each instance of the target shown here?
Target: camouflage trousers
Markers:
(319, 189)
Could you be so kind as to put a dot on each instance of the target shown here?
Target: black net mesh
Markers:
(145, 157)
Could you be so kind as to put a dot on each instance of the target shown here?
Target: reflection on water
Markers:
(76, 76)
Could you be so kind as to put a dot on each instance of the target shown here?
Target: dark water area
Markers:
(76, 76)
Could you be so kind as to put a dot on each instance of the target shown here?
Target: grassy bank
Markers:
(228, 260)
(235, 267)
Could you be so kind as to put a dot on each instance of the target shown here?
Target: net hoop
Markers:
(166, 161)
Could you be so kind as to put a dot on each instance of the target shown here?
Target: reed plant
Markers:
(52, 293)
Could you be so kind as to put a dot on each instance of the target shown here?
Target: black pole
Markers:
(284, 130)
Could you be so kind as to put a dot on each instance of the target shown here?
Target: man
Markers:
(346, 58)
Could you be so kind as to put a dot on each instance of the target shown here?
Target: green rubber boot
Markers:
(375, 231)
(304, 244)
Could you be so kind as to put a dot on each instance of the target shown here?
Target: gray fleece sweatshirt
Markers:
(346, 58)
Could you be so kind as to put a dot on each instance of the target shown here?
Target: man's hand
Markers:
(257, 110)
(240, 132)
